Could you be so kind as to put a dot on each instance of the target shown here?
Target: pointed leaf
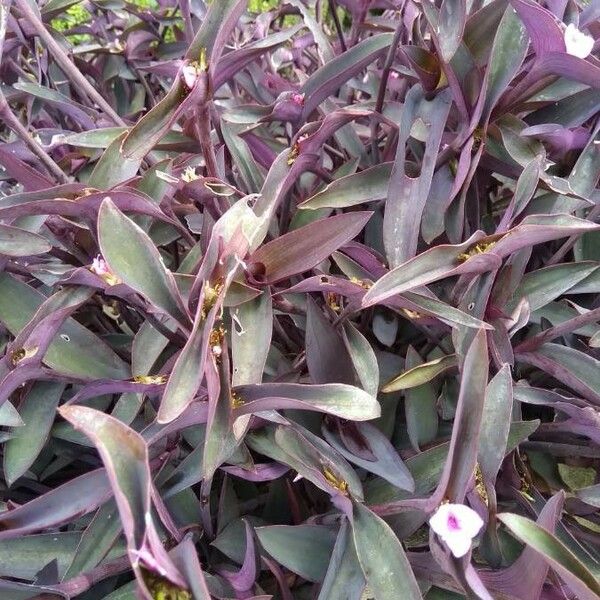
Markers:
(382, 558)
(132, 256)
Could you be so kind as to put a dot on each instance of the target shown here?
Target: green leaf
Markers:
(24, 557)
(421, 373)
(37, 410)
(96, 541)
(508, 52)
(590, 495)
(125, 456)
(544, 285)
(363, 358)
(252, 324)
(344, 579)
(113, 168)
(420, 402)
(577, 477)
(382, 558)
(367, 186)
(19, 242)
(75, 350)
(495, 423)
(303, 549)
(133, 258)
(559, 557)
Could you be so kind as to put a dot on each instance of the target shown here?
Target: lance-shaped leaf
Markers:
(382, 558)
(363, 358)
(421, 374)
(387, 463)
(575, 369)
(462, 456)
(233, 62)
(113, 168)
(304, 248)
(220, 441)
(432, 265)
(336, 72)
(571, 570)
(430, 305)
(151, 128)
(341, 400)
(495, 423)
(26, 556)
(37, 411)
(451, 24)
(60, 505)
(125, 456)
(508, 52)
(133, 257)
(344, 579)
(97, 540)
(327, 359)
(303, 549)
(20, 242)
(536, 229)
(544, 285)
(420, 405)
(186, 560)
(359, 188)
(317, 461)
(250, 339)
(543, 28)
(407, 196)
(75, 351)
(217, 25)
(526, 575)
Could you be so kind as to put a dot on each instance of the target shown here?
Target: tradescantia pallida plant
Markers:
(300, 303)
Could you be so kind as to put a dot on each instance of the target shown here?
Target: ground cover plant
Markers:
(299, 299)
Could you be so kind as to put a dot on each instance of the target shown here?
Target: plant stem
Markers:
(389, 61)
(338, 25)
(65, 62)
(19, 129)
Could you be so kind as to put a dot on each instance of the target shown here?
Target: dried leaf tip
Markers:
(236, 400)
(480, 485)
(479, 248)
(21, 354)
(293, 155)
(362, 282)
(162, 589)
(189, 175)
(215, 341)
(335, 481)
(211, 294)
(151, 379)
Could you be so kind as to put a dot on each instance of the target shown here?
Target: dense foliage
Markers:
(300, 303)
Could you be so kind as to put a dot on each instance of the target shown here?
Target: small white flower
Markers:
(578, 43)
(189, 74)
(457, 525)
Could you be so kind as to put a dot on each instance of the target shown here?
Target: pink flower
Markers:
(456, 525)
(298, 99)
(578, 43)
(100, 268)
